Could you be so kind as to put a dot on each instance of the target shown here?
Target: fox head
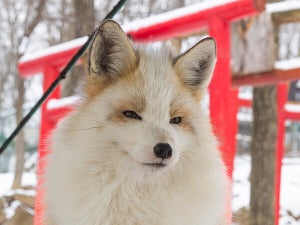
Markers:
(143, 101)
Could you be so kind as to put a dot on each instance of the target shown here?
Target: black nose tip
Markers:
(162, 150)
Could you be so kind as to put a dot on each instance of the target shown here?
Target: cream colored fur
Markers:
(96, 175)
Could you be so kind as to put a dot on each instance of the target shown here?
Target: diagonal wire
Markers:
(60, 77)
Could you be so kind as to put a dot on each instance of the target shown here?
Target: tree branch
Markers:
(29, 28)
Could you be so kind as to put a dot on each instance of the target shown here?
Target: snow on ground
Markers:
(241, 186)
(6, 180)
(290, 190)
(290, 187)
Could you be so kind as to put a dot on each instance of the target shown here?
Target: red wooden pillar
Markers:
(50, 73)
(223, 100)
(282, 96)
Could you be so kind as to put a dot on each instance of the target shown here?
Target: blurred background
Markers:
(257, 44)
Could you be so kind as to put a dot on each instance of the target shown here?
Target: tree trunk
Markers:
(84, 15)
(264, 138)
(18, 33)
(263, 155)
(253, 50)
(20, 141)
(84, 24)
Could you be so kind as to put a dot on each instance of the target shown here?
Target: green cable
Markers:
(60, 77)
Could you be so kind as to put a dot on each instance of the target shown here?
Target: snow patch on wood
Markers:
(287, 64)
(63, 102)
(283, 6)
(295, 108)
(76, 43)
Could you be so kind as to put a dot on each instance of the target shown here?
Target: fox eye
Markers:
(176, 120)
(132, 114)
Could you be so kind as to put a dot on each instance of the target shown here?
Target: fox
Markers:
(139, 148)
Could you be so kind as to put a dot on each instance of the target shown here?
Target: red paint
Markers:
(292, 116)
(282, 96)
(223, 103)
(244, 103)
(54, 115)
(266, 78)
(50, 73)
(56, 60)
(223, 100)
(191, 23)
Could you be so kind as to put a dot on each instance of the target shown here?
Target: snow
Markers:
(295, 108)
(21, 192)
(287, 64)
(290, 187)
(245, 95)
(283, 6)
(6, 180)
(54, 49)
(58, 103)
(177, 13)
(245, 117)
(242, 137)
(241, 186)
(10, 211)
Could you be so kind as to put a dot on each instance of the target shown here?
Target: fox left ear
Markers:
(195, 66)
(111, 53)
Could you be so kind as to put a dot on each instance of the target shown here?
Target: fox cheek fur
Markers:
(138, 149)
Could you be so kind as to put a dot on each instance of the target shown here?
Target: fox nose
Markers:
(163, 150)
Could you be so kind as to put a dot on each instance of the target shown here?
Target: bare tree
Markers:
(21, 19)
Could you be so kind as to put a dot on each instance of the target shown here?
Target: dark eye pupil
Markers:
(176, 120)
(132, 115)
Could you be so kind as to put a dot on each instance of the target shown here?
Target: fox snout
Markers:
(163, 150)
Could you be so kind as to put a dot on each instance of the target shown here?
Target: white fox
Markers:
(139, 149)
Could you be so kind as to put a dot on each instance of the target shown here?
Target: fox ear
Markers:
(111, 52)
(195, 66)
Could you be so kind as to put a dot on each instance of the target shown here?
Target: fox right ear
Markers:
(195, 66)
(111, 53)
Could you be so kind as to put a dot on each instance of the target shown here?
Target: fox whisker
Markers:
(84, 129)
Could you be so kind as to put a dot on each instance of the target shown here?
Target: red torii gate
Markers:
(214, 16)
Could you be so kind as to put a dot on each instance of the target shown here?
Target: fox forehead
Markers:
(157, 72)
(153, 69)
(154, 82)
